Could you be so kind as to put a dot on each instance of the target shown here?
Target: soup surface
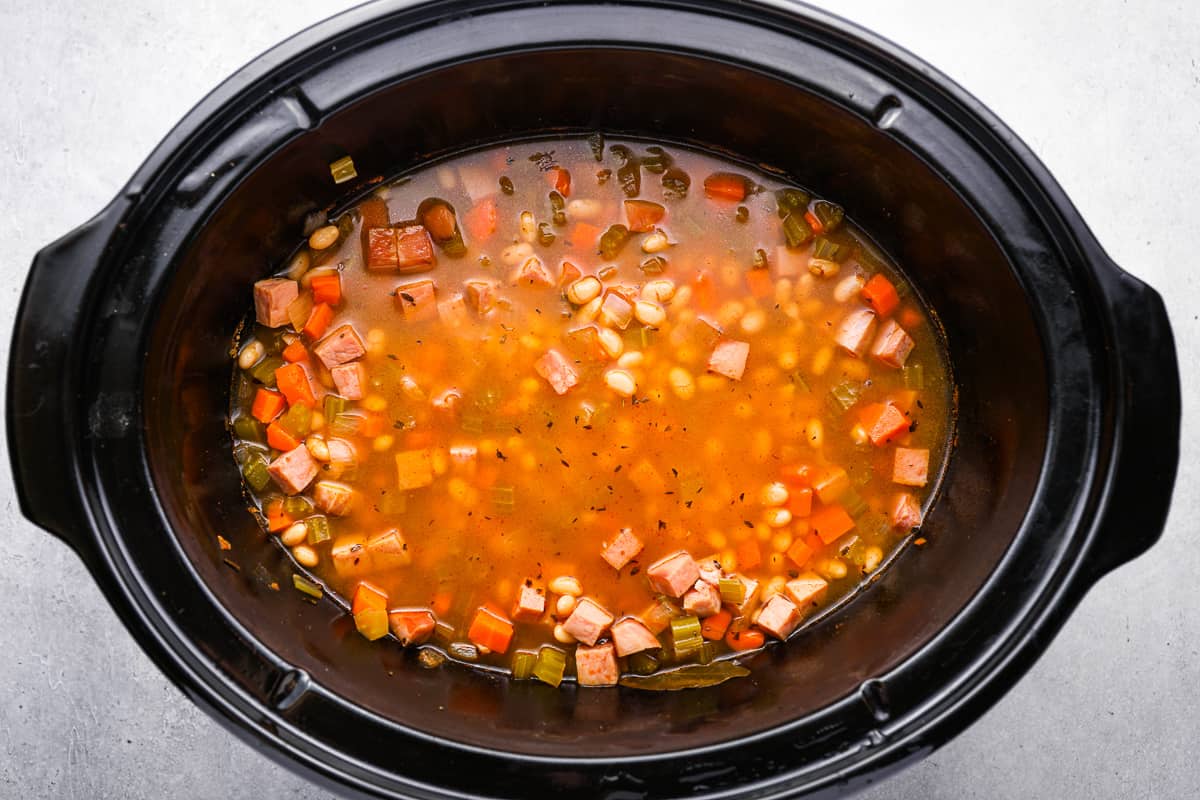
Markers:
(589, 408)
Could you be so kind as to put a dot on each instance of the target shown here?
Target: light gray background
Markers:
(1108, 95)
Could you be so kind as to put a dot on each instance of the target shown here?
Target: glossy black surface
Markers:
(1068, 397)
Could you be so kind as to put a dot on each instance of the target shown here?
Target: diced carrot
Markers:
(880, 295)
(799, 553)
(714, 627)
(318, 321)
(725, 186)
(292, 380)
(373, 425)
(759, 282)
(643, 215)
(748, 639)
(296, 351)
(439, 220)
(418, 439)
(703, 290)
(280, 439)
(831, 522)
(481, 220)
(797, 475)
(366, 596)
(800, 502)
(910, 318)
(584, 236)
(560, 180)
(267, 405)
(830, 483)
(884, 423)
(441, 603)
(327, 288)
(814, 542)
(748, 555)
(570, 274)
(277, 518)
(490, 629)
(814, 222)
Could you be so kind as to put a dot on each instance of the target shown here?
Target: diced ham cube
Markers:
(533, 272)
(788, 262)
(749, 594)
(332, 497)
(729, 358)
(702, 600)
(631, 636)
(414, 469)
(906, 512)
(294, 470)
(892, 344)
(531, 603)
(350, 558)
(596, 666)
(271, 300)
(381, 249)
(341, 453)
(453, 311)
(622, 549)
(807, 590)
(557, 370)
(412, 625)
(350, 380)
(911, 466)
(339, 347)
(588, 621)
(388, 550)
(481, 295)
(674, 574)
(778, 617)
(414, 249)
(854, 333)
(417, 301)
(616, 310)
(710, 572)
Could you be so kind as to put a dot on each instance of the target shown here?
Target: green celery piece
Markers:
(523, 662)
(550, 666)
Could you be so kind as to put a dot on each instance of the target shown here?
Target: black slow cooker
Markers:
(1068, 395)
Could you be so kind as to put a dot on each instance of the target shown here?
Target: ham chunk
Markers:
(531, 603)
(350, 380)
(294, 470)
(417, 301)
(631, 636)
(414, 469)
(749, 594)
(702, 600)
(412, 625)
(350, 558)
(778, 617)
(854, 333)
(533, 272)
(388, 550)
(381, 249)
(892, 345)
(710, 572)
(729, 358)
(596, 666)
(414, 249)
(622, 549)
(906, 512)
(481, 295)
(807, 590)
(588, 621)
(558, 371)
(271, 300)
(332, 497)
(339, 347)
(911, 466)
(674, 574)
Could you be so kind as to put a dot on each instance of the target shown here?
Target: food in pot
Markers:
(590, 409)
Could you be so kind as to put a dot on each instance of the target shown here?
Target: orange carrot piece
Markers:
(800, 502)
(560, 180)
(725, 186)
(277, 519)
(880, 295)
(749, 639)
(584, 236)
(570, 274)
(481, 220)
(748, 555)
(703, 290)
(318, 321)
(366, 596)
(643, 215)
(292, 380)
(373, 425)
(759, 282)
(909, 318)
(296, 351)
(799, 553)
(327, 288)
(831, 522)
(830, 483)
(814, 222)
(714, 627)
(441, 603)
(280, 439)
(490, 629)
(267, 405)
(797, 475)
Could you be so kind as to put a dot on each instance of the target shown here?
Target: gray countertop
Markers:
(1108, 95)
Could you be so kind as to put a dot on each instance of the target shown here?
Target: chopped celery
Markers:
(707, 652)
(297, 506)
(550, 665)
(657, 160)
(297, 420)
(654, 265)
(429, 658)
(902, 289)
(443, 633)
(558, 206)
(612, 240)
(853, 502)
(472, 423)
(244, 451)
(791, 200)
(796, 230)
(675, 184)
(318, 529)
(264, 371)
(463, 651)
(828, 250)
(685, 635)
(522, 664)
(742, 214)
(334, 405)
(643, 663)
(303, 584)
(798, 379)
(845, 394)
(249, 429)
(345, 424)
(255, 472)
(343, 170)
(760, 260)
(914, 377)
(629, 172)
(504, 498)
(596, 143)
(455, 246)
(545, 236)
(638, 338)
(506, 184)
(733, 591)
(372, 623)
(829, 214)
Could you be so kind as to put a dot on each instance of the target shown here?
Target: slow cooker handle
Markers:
(1146, 453)
(42, 417)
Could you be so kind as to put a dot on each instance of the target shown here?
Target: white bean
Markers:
(660, 290)
(561, 635)
(584, 208)
(848, 288)
(773, 494)
(323, 238)
(566, 584)
(296, 533)
(317, 448)
(305, 555)
(565, 605)
(251, 354)
(777, 517)
(621, 381)
(611, 342)
(682, 383)
(649, 314)
(754, 321)
(584, 290)
(823, 268)
(655, 242)
(528, 226)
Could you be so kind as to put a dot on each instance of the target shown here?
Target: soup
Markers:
(584, 409)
